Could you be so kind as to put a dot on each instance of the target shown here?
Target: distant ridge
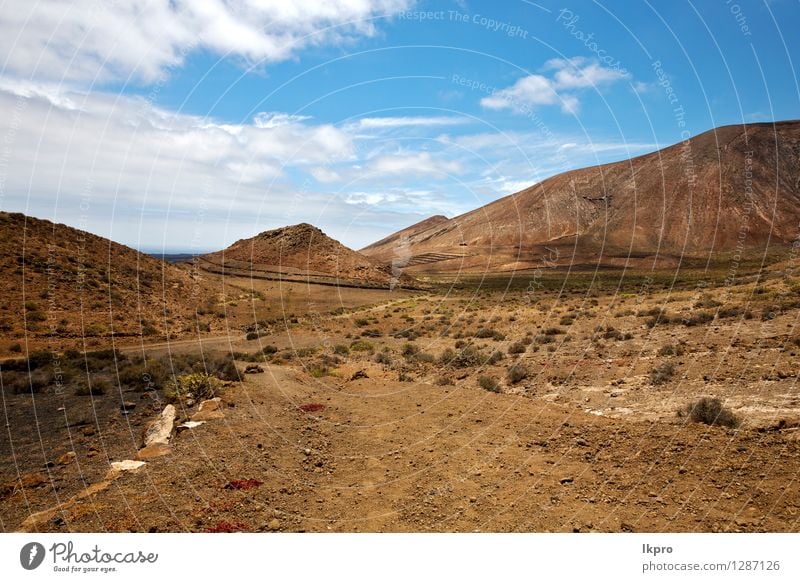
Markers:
(734, 189)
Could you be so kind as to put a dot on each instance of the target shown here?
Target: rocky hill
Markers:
(730, 190)
(63, 287)
(301, 252)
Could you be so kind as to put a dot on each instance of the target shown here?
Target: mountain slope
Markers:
(63, 287)
(730, 189)
(301, 251)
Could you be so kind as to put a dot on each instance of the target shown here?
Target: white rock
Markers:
(127, 465)
(159, 430)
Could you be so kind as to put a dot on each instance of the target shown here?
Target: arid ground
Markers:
(581, 402)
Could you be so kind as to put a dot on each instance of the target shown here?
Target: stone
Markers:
(159, 430)
(127, 465)
(566, 480)
(274, 524)
(190, 424)
(359, 375)
(253, 369)
(127, 406)
(66, 458)
(153, 451)
(88, 431)
(209, 410)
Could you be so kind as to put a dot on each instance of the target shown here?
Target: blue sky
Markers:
(186, 125)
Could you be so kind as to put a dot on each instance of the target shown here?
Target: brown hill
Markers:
(382, 250)
(63, 287)
(300, 252)
(733, 189)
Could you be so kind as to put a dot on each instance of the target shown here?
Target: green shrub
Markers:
(362, 346)
(340, 349)
(252, 335)
(198, 385)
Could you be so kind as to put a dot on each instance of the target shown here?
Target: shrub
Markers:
(698, 318)
(496, 356)
(671, 350)
(252, 335)
(98, 387)
(489, 383)
(709, 411)
(198, 385)
(707, 302)
(362, 346)
(383, 358)
(516, 348)
(553, 331)
(16, 348)
(468, 357)
(662, 373)
(341, 350)
(361, 322)
(409, 350)
(269, 350)
(517, 373)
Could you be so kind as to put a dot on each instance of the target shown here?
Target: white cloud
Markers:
(270, 119)
(87, 40)
(420, 121)
(420, 163)
(569, 75)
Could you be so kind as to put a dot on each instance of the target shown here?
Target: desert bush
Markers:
(516, 348)
(468, 357)
(671, 350)
(662, 373)
(698, 318)
(361, 322)
(517, 372)
(489, 383)
(706, 301)
(383, 358)
(425, 358)
(487, 332)
(96, 387)
(409, 350)
(362, 346)
(251, 335)
(15, 348)
(269, 350)
(341, 350)
(198, 385)
(553, 331)
(496, 356)
(371, 333)
(709, 411)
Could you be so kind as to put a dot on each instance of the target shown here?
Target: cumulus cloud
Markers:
(567, 77)
(86, 40)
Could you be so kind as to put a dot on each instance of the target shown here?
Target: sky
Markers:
(185, 125)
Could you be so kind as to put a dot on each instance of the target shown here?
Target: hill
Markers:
(300, 252)
(63, 287)
(735, 189)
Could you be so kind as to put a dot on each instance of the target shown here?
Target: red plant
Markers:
(312, 407)
(226, 527)
(243, 484)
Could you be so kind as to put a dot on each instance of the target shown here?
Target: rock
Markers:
(209, 410)
(66, 458)
(153, 451)
(253, 369)
(274, 524)
(127, 406)
(359, 375)
(127, 465)
(88, 431)
(159, 430)
(566, 480)
(190, 424)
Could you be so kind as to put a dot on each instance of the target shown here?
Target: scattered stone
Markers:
(66, 458)
(88, 431)
(274, 524)
(209, 410)
(359, 375)
(253, 369)
(566, 480)
(127, 406)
